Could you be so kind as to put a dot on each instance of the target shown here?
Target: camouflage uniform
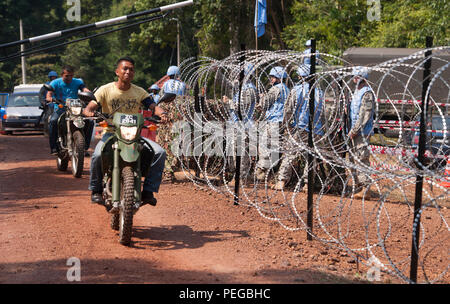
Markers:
(363, 128)
(273, 105)
(237, 127)
(297, 145)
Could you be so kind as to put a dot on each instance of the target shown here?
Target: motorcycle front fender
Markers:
(129, 152)
(78, 122)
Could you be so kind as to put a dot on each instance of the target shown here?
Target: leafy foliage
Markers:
(213, 28)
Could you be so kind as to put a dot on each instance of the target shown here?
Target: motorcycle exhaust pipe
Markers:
(116, 175)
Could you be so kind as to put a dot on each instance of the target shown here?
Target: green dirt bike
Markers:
(126, 159)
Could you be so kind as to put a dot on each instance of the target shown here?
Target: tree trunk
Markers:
(276, 22)
(235, 8)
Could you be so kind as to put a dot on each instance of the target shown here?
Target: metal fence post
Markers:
(197, 111)
(311, 158)
(420, 157)
(237, 177)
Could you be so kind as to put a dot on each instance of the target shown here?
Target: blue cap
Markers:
(154, 87)
(173, 70)
(362, 72)
(278, 72)
(52, 74)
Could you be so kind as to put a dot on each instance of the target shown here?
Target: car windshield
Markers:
(438, 123)
(24, 101)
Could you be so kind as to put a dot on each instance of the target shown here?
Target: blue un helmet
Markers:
(362, 72)
(308, 43)
(278, 72)
(154, 87)
(303, 70)
(52, 74)
(173, 71)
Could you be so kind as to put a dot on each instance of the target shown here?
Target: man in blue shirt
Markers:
(65, 87)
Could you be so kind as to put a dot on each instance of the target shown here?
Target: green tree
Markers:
(334, 24)
(407, 23)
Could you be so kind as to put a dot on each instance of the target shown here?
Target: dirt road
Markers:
(191, 236)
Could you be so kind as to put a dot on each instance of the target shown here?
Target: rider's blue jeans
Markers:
(53, 128)
(152, 180)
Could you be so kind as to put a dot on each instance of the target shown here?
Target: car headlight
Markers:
(12, 117)
(75, 110)
(128, 133)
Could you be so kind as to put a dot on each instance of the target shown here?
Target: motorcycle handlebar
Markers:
(98, 116)
(155, 119)
(57, 101)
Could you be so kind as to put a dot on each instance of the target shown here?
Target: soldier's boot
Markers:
(260, 174)
(279, 185)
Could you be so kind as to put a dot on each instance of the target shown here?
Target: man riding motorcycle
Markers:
(127, 98)
(64, 87)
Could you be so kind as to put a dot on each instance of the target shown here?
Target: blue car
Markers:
(21, 112)
(437, 141)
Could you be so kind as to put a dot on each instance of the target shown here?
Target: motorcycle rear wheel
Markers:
(127, 210)
(77, 154)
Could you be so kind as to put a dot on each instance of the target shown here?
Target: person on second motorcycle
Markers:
(47, 107)
(125, 97)
(65, 87)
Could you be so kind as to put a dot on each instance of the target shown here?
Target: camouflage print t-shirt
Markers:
(113, 99)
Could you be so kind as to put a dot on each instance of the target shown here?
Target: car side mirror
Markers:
(86, 96)
(167, 97)
(49, 87)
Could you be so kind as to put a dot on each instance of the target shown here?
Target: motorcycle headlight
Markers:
(75, 110)
(128, 133)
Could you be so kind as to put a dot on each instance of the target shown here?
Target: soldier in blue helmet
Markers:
(52, 75)
(360, 128)
(307, 59)
(174, 85)
(154, 90)
(296, 118)
(273, 105)
(247, 101)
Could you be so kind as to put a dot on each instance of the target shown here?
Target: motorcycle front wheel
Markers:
(127, 206)
(77, 154)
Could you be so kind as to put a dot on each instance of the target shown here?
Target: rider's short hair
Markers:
(68, 68)
(125, 58)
